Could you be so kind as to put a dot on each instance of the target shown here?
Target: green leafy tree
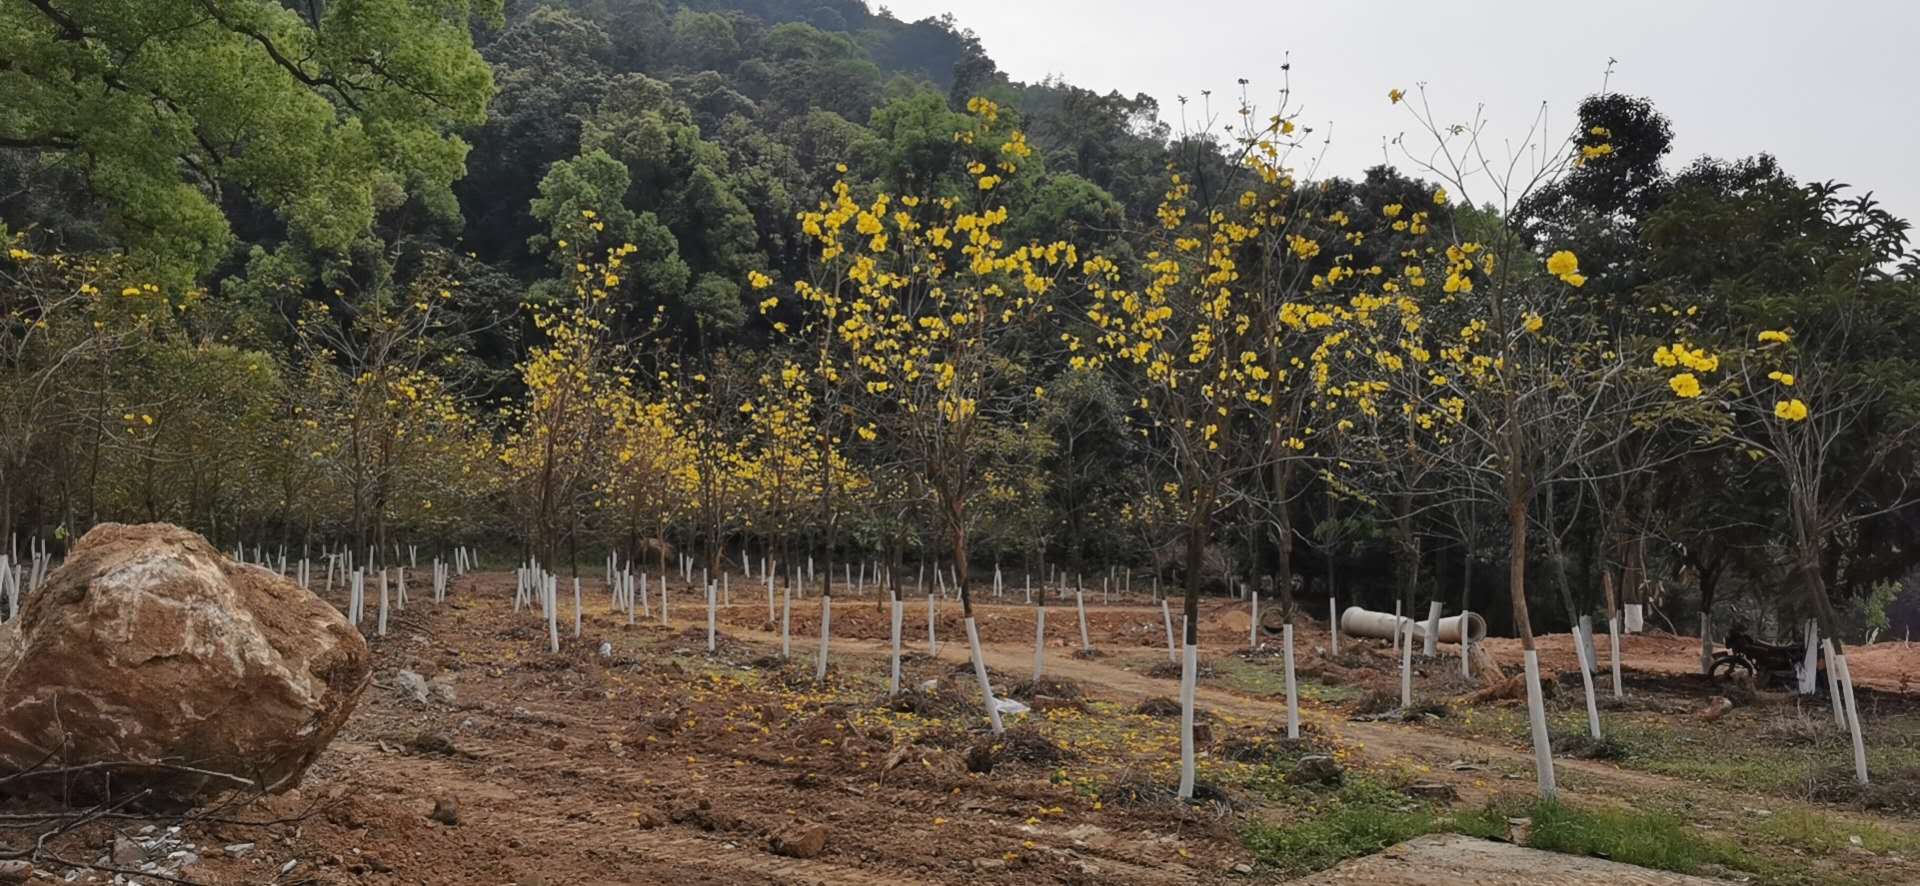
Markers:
(161, 105)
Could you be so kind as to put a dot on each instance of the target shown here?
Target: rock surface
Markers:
(800, 841)
(150, 653)
(1453, 859)
(1316, 769)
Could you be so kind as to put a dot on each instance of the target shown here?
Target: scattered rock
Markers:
(647, 818)
(1438, 792)
(238, 850)
(127, 853)
(1243, 868)
(412, 685)
(150, 645)
(989, 865)
(1717, 708)
(446, 810)
(800, 841)
(15, 871)
(430, 742)
(1316, 769)
(980, 758)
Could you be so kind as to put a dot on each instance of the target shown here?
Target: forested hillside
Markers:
(805, 277)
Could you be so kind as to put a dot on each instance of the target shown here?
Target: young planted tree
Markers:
(553, 454)
(1214, 351)
(924, 317)
(1833, 435)
(1533, 389)
(63, 318)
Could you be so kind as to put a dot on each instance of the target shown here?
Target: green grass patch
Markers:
(1824, 835)
(1648, 839)
(1368, 815)
(1363, 817)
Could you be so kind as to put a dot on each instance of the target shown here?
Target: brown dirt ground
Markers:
(657, 764)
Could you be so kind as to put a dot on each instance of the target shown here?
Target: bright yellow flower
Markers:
(1790, 410)
(1684, 385)
(1562, 263)
(1774, 336)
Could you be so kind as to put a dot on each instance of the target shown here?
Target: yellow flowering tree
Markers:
(1529, 389)
(1225, 343)
(650, 479)
(1831, 434)
(64, 319)
(555, 452)
(918, 313)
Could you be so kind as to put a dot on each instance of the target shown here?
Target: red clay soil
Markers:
(1887, 666)
(633, 767)
(654, 763)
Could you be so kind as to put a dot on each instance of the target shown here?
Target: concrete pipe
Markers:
(1357, 622)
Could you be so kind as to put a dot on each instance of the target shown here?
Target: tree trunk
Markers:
(1517, 494)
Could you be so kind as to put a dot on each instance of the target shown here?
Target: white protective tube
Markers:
(826, 631)
(1166, 615)
(980, 674)
(552, 596)
(1333, 625)
(711, 590)
(1582, 652)
(1080, 603)
(1833, 686)
(1039, 641)
(1810, 663)
(1613, 641)
(1189, 666)
(1406, 671)
(1466, 656)
(1853, 721)
(1432, 633)
(383, 603)
(933, 643)
(1399, 628)
(786, 619)
(1537, 719)
(1253, 626)
(1293, 696)
(893, 674)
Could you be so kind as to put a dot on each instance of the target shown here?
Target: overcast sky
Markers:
(1826, 87)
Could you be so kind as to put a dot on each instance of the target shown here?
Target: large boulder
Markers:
(154, 661)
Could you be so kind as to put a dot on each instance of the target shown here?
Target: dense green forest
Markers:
(317, 271)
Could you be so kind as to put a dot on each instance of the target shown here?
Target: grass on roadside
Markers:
(1362, 817)
(1367, 815)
